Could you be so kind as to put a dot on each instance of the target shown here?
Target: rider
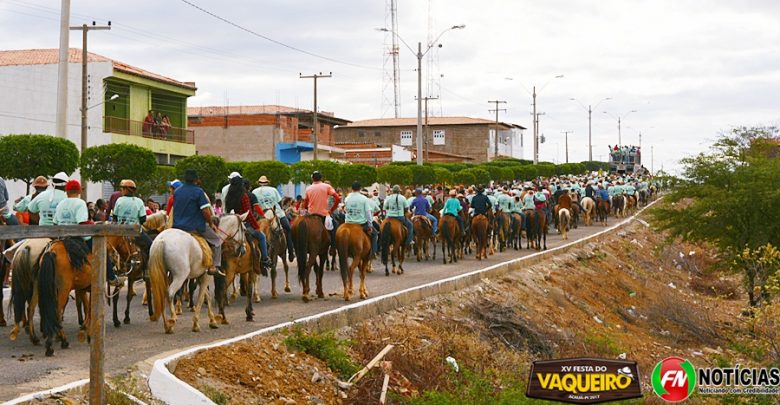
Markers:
(231, 176)
(73, 211)
(317, 196)
(480, 202)
(192, 213)
(358, 210)
(41, 184)
(45, 203)
(237, 201)
(395, 207)
(172, 186)
(130, 210)
(270, 198)
(421, 206)
(452, 207)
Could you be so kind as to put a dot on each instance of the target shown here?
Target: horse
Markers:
(311, 241)
(564, 218)
(564, 202)
(129, 261)
(4, 269)
(602, 209)
(537, 229)
(450, 238)
(423, 234)
(643, 197)
(619, 206)
(491, 232)
(277, 246)
(575, 209)
(588, 207)
(479, 231)
(65, 265)
(465, 241)
(236, 259)
(392, 237)
(352, 241)
(24, 286)
(631, 202)
(337, 219)
(516, 231)
(503, 232)
(177, 253)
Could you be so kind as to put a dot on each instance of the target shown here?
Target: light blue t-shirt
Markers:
(396, 205)
(129, 210)
(45, 205)
(357, 208)
(269, 197)
(71, 211)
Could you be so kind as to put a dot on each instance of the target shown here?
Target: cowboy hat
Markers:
(60, 177)
(40, 181)
(262, 180)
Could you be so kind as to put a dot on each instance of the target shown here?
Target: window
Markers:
(438, 137)
(406, 138)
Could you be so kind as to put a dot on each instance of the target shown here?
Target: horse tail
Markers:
(445, 232)
(47, 295)
(21, 283)
(301, 235)
(158, 279)
(342, 247)
(387, 240)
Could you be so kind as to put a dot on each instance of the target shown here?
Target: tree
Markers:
(493, 170)
(594, 166)
(212, 170)
(443, 176)
(464, 177)
(331, 171)
(25, 157)
(506, 174)
(157, 182)
(422, 175)
(726, 197)
(278, 173)
(394, 174)
(481, 176)
(236, 167)
(117, 161)
(364, 174)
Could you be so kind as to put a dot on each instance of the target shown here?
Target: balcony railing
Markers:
(139, 128)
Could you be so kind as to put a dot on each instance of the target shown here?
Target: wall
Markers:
(236, 143)
(28, 104)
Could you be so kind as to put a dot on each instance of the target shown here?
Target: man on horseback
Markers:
(73, 211)
(358, 210)
(129, 210)
(504, 202)
(421, 206)
(237, 200)
(270, 198)
(318, 196)
(480, 202)
(395, 207)
(192, 213)
(40, 184)
(45, 204)
(452, 207)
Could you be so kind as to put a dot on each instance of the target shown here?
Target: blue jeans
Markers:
(409, 228)
(434, 222)
(260, 237)
(110, 275)
(374, 238)
(288, 233)
(12, 220)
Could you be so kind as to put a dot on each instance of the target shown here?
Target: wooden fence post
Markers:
(97, 328)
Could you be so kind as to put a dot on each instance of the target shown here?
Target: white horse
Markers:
(564, 218)
(177, 253)
(588, 207)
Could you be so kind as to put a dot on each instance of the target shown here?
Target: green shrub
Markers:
(326, 347)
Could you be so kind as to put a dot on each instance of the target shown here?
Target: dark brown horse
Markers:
(129, 262)
(537, 229)
(352, 241)
(277, 246)
(423, 235)
(479, 231)
(503, 230)
(602, 210)
(65, 266)
(391, 239)
(516, 231)
(449, 233)
(311, 241)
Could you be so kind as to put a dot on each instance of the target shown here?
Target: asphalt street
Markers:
(25, 369)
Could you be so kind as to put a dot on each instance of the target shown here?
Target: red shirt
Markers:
(247, 207)
(316, 199)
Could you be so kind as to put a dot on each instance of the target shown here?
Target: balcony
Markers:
(125, 126)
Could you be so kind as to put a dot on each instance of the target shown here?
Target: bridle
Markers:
(238, 237)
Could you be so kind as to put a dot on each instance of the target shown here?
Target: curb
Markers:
(168, 388)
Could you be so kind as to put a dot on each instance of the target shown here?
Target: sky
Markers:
(689, 69)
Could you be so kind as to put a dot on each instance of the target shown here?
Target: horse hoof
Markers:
(224, 321)
(196, 329)
(274, 296)
(14, 333)
(257, 300)
(64, 344)
(126, 321)
(117, 324)
(287, 289)
(250, 319)
(213, 325)
(49, 352)
(305, 298)
(35, 341)
(363, 296)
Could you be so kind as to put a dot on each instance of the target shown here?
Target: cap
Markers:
(127, 183)
(234, 174)
(73, 185)
(418, 191)
(40, 181)
(396, 188)
(175, 183)
(426, 191)
(262, 180)
(60, 177)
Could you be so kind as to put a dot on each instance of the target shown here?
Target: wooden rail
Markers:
(97, 327)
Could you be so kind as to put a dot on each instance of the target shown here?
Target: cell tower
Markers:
(433, 74)
(391, 73)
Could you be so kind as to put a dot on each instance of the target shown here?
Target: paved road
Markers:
(142, 339)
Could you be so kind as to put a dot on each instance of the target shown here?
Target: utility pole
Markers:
(495, 135)
(620, 139)
(590, 134)
(316, 127)
(566, 133)
(536, 130)
(426, 125)
(640, 140)
(62, 72)
(419, 104)
(84, 78)
(652, 160)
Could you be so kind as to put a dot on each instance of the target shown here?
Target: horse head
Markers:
(232, 230)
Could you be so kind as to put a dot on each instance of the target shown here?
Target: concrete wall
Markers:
(236, 143)
(28, 105)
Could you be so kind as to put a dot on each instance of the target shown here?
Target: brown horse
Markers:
(312, 241)
(237, 259)
(503, 230)
(423, 234)
(277, 246)
(352, 241)
(392, 237)
(66, 265)
(129, 261)
(479, 231)
(537, 229)
(450, 238)
(24, 286)
(564, 202)
(602, 209)
(516, 231)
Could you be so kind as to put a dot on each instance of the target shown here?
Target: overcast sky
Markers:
(689, 68)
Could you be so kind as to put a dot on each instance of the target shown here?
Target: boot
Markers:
(255, 260)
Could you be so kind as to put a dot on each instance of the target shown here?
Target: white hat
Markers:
(233, 175)
(60, 177)
(426, 191)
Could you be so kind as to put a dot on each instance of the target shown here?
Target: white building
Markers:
(28, 105)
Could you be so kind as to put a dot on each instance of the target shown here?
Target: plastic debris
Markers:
(452, 362)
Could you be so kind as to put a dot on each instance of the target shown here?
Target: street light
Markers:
(112, 98)
(590, 113)
(419, 54)
(535, 116)
(619, 119)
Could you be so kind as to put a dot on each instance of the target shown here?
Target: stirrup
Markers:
(215, 271)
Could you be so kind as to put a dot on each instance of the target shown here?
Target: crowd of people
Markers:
(625, 153)
(156, 125)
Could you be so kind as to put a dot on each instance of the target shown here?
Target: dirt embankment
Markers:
(632, 293)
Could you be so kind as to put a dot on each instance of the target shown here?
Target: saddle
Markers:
(425, 220)
(207, 260)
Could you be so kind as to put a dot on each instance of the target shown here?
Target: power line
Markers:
(242, 28)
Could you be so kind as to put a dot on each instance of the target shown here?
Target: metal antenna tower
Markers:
(433, 75)
(391, 76)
